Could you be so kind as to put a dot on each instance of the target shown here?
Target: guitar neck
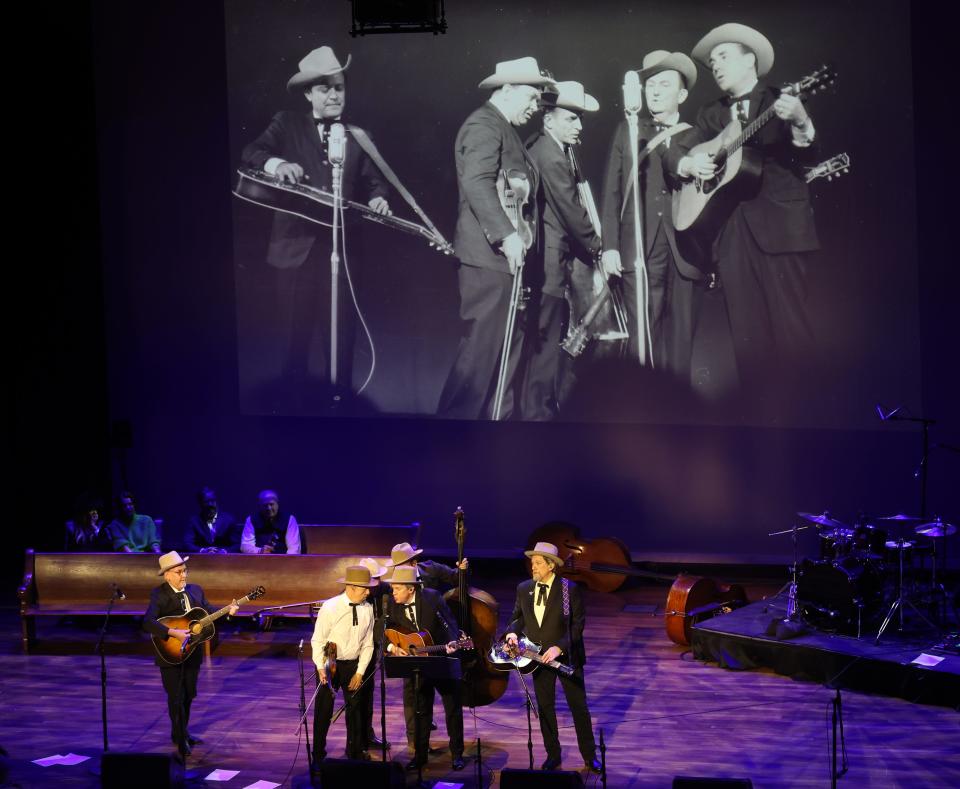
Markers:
(751, 129)
(209, 618)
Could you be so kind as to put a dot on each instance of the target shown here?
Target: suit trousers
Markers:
(355, 717)
(449, 691)
(545, 688)
(470, 386)
(180, 684)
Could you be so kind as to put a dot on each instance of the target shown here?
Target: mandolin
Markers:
(200, 625)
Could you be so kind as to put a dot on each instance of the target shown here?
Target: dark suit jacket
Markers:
(779, 215)
(556, 630)
(164, 602)
(227, 534)
(76, 538)
(293, 136)
(486, 144)
(616, 219)
(433, 615)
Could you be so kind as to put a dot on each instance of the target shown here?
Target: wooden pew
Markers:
(79, 584)
(365, 540)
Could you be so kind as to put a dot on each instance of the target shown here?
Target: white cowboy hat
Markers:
(661, 60)
(320, 63)
(401, 554)
(357, 575)
(735, 33)
(170, 560)
(374, 567)
(547, 550)
(406, 575)
(570, 96)
(522, 71)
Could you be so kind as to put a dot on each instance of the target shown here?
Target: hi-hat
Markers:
(823, 520)
(900, 517)
(936, 528)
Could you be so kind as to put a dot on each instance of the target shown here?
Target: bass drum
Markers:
(839, 596)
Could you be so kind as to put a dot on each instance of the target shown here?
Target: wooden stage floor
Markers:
(662, 714)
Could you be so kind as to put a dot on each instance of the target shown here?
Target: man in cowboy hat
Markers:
(294, 149)
(763, 248)
(174, 597)
(433, 575)
(377, 571)
(570, 245)
(416, 609)
(549, 611)
(488, 245)
(345, 621)
(665, 78)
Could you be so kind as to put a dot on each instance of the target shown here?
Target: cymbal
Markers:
(823, 520)
(936, 528)
(900, 517)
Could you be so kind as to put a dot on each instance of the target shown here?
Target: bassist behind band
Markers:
(549, 610)
(762, 249)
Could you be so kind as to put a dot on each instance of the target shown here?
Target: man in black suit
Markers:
(294, 148)
(174, 597)
(490, 249)
(549, 611)
(569, 241)
(672, 281)
(210, 530)
(764, 247)
(415, 609)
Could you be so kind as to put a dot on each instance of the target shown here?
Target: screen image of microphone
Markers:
(632, 93)
(118, 592)
(337, 145)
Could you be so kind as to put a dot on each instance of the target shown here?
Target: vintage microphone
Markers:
(336, 153)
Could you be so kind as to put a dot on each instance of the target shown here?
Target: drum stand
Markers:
(901, 600)
(791, 587)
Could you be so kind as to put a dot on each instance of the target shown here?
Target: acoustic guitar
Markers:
(316, 205)
(830, 168)
(421, 643)
(525, 657)
(200, 625)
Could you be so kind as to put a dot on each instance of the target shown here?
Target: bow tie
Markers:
(660, 125)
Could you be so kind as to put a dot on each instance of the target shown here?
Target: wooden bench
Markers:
(79, 584)
(365, 540)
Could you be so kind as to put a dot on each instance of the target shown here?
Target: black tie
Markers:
(353, 607)
(741, 105)
(542, 596)
(660, 125)
(183, 599)
(411, 612)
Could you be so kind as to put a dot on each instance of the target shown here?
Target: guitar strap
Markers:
(364, 141)
(651, 146)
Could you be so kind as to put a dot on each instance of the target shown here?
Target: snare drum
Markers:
(870, 539)
(839, 595)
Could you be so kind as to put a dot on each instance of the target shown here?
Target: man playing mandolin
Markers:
(549, 611)
(763, 246)
(174, 597)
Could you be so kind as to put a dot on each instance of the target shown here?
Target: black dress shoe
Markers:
(414, 763)
(184, 750)
(374, 742)
(458, 763)
(552, 763)
(593, 765)
(191, 740)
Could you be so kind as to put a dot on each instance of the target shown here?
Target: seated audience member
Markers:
(210, 530)
(269, 530)
(87, 532)
(132, 532)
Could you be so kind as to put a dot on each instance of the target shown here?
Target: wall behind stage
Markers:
(165, 171)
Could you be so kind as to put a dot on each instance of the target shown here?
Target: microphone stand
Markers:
(335, 268)
(603, 760)
(303, 706)
(530, 707)
(103, 669)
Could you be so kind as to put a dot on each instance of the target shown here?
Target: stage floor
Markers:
(662, 714)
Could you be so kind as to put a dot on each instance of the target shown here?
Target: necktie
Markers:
(410, 609)
(183, 600)
(353, 607)
(741, 108)
(542, 594)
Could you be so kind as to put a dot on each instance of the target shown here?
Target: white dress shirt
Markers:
(335, 623)
(538, 610)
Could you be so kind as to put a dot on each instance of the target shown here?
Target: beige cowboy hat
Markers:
(406, 575)
(376, 570)
(547, 550)
(401, 554)
(735, 33)
(320, 63)
(522, 71)
(570, 96)
(357, 575)
(170, 560)
(661, 60)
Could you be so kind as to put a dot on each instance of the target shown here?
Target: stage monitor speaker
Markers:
(539, 779)
(352, 773)
(697, 782)
(142, 770)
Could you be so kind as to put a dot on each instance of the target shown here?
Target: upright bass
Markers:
(476, 613)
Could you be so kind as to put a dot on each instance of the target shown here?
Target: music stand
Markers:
(418, 669)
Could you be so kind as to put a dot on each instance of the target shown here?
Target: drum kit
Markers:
(870, 571)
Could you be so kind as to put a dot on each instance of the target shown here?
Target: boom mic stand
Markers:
(303, 706)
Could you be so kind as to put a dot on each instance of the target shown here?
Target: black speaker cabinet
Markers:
(351, 774)
(142, 770)
(695, 782)
(539, 779)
